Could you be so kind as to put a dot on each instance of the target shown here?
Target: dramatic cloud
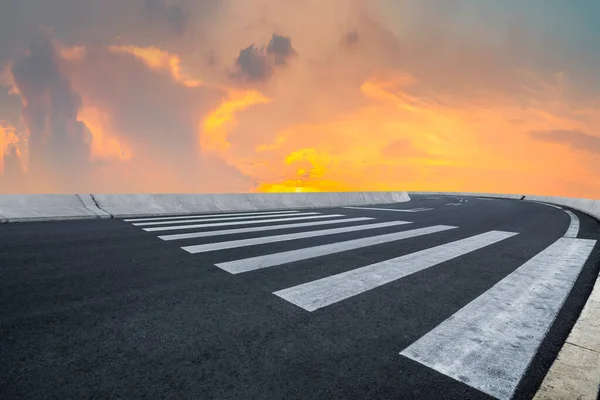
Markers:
(258, 63)
(575, 139)
(281, 48)
(229, 96)
(9, 141)
(58, 148)
(173, 16)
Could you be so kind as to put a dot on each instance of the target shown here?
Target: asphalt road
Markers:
(464, 300)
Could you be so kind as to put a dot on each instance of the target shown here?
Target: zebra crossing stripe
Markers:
(185, 221)
(489, 343)
(391, 209)
(270, 260)
(202, 248)
(259, 221)
(239, 214)
(323, 292)
(192, 235)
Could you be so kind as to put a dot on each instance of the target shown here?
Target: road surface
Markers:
(441, 297)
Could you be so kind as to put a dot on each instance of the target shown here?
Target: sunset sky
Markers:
(131, 96)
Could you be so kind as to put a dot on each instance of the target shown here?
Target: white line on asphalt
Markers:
(391, 209)
(221, 219)
(207, 216)
(453, 204)
(546, 204)
(489, 343)
(260, 221)
(270, 260)
(179, 236)
(573, 226)
(323, 292)
(202, 248)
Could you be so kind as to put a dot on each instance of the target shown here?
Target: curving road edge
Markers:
(575, 374)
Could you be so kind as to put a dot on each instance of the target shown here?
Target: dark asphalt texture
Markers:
(100, 309)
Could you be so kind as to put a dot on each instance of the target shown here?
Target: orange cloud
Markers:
(159, 60)
(73, 53)
(401, 140)
(369, 100)
(216, 126)
(104, 146)
(8, 141)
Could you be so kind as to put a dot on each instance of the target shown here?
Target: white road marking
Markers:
(453, 204)
(222, 219)
(202, 248)
(323, 292)
(259, 221)
(192, 235)
(207, 216)
(546, 204)
(489, 343)
(573, 226)
(270, 260)
(391, 209)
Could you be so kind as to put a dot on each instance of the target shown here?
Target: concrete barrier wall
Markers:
(129, 205)
(15, 208)
(491, 195)
(588, 206)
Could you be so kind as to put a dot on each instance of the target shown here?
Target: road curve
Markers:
(441, 297)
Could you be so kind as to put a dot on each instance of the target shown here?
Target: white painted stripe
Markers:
(453, 204)
(573, 230)
(260, 221)
(192, 235)
(270, 260)
(391, 209)
(546, 204)
(203, 248)
(207, 216)
(323, 292)
(489, 343)
(221, 219)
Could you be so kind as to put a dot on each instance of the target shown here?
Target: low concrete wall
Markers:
(588, 206)
(41, 207)
(129, 205)
(491, 195)
(15, 208)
